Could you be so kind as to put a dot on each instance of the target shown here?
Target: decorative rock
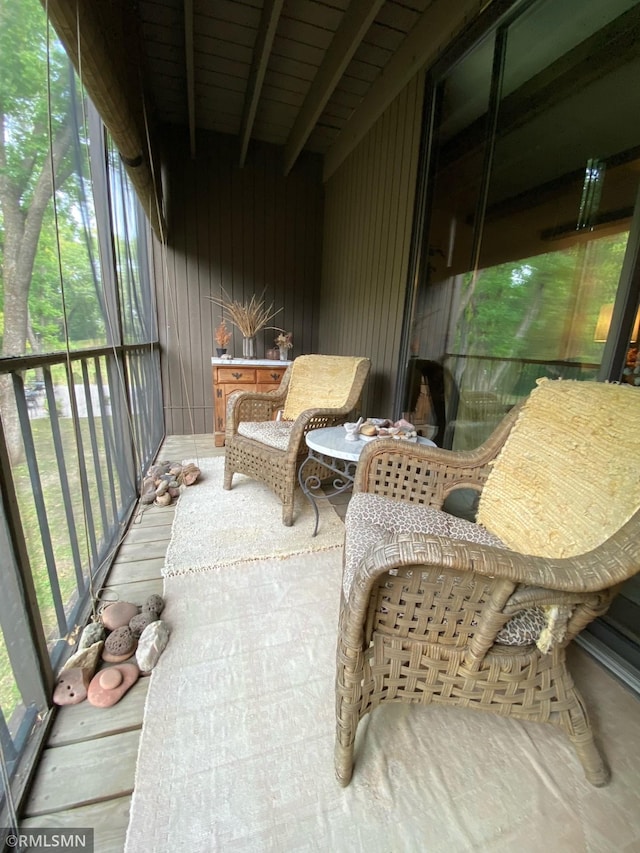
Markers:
(109, 685)
(71, 686)
(154, 604)
(158, 470)
(118, 614)
(119, 645)
(161, 488)
(93, 633)
(163, 500)
(141, 620)
(86, 659)
(152, 643)
(189, 474)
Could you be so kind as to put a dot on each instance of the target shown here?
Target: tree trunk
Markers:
(21, 234)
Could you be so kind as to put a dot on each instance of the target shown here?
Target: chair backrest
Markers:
(323, 382)
(567, 477)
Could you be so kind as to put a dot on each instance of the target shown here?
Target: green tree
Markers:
(544, 307)
(35, 138)
(84, 320)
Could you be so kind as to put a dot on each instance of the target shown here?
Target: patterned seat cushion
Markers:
(370, 517)
(523, 628)
(273, 433)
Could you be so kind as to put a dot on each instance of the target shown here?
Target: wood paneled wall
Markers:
(369, 205)
(334, 256)
(246, 230)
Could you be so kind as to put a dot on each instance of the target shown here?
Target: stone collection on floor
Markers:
(167, 480)
(123, 629)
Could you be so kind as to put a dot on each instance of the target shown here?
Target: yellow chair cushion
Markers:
(567, 476)
(319, 382)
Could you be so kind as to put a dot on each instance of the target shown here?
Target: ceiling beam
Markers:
(437, 26)
(262, 51)
(189, 60)
(356, 22)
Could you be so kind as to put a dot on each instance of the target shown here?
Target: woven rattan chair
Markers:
(316, 391)
(442, 610)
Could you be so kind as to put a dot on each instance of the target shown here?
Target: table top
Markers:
(249, 362)
(332, 441)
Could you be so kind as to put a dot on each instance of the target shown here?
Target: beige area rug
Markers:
(214, 527)
(237, 744)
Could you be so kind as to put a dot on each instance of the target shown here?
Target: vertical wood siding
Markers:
(340, 278)
(246, 230)
(368, 217)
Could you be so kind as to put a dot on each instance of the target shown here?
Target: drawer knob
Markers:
(275, 376)
(236, 375)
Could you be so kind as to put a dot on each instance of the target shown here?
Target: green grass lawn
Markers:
(59, 529)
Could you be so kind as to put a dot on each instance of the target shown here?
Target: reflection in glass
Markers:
(529, 225)
(531, 195)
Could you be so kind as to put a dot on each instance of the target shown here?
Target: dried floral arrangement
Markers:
(222, 335)
(284, 340)
(248, 317)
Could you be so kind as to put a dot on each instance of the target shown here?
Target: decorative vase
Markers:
(248, 347)
(284, 353)
(220, 351)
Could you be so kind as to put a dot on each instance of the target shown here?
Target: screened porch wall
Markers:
(245, 230)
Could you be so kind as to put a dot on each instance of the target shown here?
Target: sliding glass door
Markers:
(526, 263)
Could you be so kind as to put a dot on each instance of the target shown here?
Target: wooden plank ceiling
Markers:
(288, 72)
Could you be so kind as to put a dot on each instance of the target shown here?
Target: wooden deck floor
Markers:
(86, 773)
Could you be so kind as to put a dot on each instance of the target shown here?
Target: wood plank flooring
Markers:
(85, 776)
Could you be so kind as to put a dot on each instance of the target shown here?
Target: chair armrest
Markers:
(419, 473)
(526, 597)
(608, 565)
(252, 406)
(516, 582)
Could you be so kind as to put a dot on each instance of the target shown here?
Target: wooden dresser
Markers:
(240, 374)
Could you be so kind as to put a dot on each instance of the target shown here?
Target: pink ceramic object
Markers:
(109, 685)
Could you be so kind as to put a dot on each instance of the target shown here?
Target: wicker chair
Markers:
(316, 391)
(436, 609)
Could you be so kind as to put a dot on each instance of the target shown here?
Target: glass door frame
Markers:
(497, 16)
(625, 306)
(618, 654)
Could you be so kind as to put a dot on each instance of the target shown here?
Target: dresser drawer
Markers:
(236, 374)
(269, 375)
